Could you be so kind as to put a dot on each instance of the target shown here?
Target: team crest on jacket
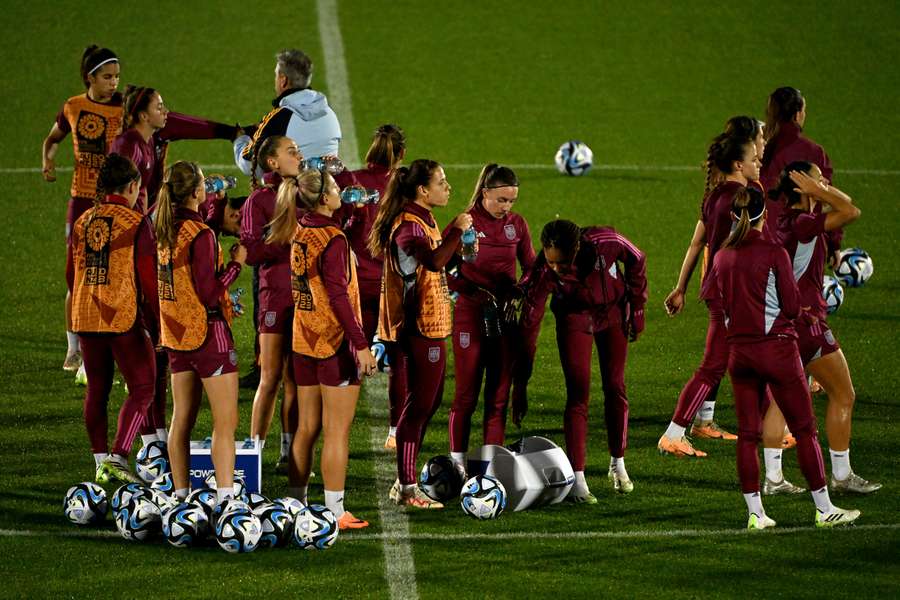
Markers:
(464, 339)
(434, 354)
(270, 318)
(232, 356)
(510, 231)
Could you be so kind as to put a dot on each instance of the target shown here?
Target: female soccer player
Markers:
(330, 350)
(384, 155)
(278, 158)
(736, 158)
(414, 308)
(596, 302)
(111, 272)
(803, 230)
(95, 119)
(147, 130)
(753, 279)
(195, 319)
(486, 286)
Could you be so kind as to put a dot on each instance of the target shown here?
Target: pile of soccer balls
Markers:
(853, 269)
(243, 524)
(481, 497)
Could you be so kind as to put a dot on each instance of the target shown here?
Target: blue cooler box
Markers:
(247, 463)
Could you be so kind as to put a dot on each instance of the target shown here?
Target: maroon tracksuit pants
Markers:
(425, 362)
(475, 357)
(133, 353)
(156, 416)
(575, 348)
(705, 382)
(774, 363)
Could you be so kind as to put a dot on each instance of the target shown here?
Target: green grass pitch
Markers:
(644, 84)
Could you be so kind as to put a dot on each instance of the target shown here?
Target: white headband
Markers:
(108, 60)
(747, 208)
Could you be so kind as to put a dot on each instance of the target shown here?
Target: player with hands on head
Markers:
(195, 324)
(754, 280)
(94, 119)
(597, 282)
(484, 343)
(331, 353)
(415, 309)
(803, 229)
(111, 272)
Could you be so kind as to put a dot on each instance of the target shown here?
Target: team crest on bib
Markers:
(270, 318)
(464, 339)
(434, 354)
(510, 231)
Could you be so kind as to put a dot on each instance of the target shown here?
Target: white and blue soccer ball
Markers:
(833, 293)
(292, 505)
(854, 268)
(440, 479)
(277, 526)
(185, 524)
(483, 497)
(152, 461)
(255, 500)
(85, 504)
(315, 528)
(139, 519)
(238, 531)
(206, 498)
(125, 493)
(574, 158)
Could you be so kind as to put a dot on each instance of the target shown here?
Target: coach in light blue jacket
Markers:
(300, 113)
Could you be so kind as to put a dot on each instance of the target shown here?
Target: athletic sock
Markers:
(707, 411)
(618, 464)
(99, 457)
(147, 439)
(407, 489)
(675, 431)
(298, 492)
(181, 493)
(335, 502)
(162, 435)
(72, 343)
(822, 500)
(286, 439)
(120, 460)
(773, 464)
(754, 504)
(459, 459)
(581, 487)
(840, 464)
(392, 431)
(223, 494)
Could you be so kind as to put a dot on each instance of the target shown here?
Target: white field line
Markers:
(346, 146)
(336, 78)
(399, 566)
(347, 538)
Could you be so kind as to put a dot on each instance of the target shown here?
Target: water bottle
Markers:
(331, 164)
(236, 301)
(469, 252)
(380, 353)
(219, 183)
(357, 195)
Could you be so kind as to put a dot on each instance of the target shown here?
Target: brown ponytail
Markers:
(179, 183)
(261, 155)
(401, 189)
(748, 206)
(305, 190)
(388, 146)
(115, 174)
(492, 175)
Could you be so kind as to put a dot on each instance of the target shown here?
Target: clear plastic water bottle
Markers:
(219, 183)
(236, 301)
(380, 353)
(357, 195)
(469, 251)
(331, 164)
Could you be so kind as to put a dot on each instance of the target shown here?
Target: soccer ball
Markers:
(574, 158)
(315, 528)
(854, 268)
(232, 505)
(85, 504)
(440, 479)
(238, 531)
(125, 493)
(256, 500)
(152, 461)
(277, 525)
(139, 519)
(206, 498)
(483, 497)
(833, 293)
(185, 524)
(292, 505)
